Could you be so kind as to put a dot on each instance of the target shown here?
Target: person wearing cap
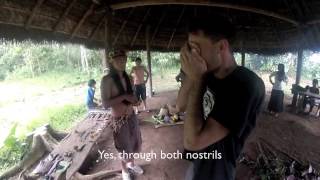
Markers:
(223, 100)
(117, 93)
(140, 78)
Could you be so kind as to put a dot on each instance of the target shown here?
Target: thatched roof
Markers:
(268, 26)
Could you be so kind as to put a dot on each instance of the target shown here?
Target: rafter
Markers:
(313, 22)
(123, 25)
(84, 17)
(175, 29)
(137, 3)
(139, 28)
(27, 13)
(164, 13)
(310, 13)
(64, 15)
(289, 6)
(34, 10)
(96, 29)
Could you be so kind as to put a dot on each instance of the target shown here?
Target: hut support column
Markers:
(243, 59)
(298, 76)
(299, 66)
(107, 41)
(149, 59)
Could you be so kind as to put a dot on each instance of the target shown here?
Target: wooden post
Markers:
(243, 59)
(298, 76)
(299, 66)
(107, 40)
(149, 59)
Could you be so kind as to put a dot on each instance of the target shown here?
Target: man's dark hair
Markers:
(138, 59)
(281, 75)
(91, 82)
(216, 27)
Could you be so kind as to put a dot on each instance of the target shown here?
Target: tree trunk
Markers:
(84, 59)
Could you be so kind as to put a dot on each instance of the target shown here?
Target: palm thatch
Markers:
(272, 26)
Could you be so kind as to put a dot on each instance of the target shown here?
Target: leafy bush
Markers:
(12, 151)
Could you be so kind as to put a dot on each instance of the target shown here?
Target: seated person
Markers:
(309, 100)
(91, 101)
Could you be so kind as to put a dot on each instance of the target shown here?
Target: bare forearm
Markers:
(114, 101)
(194, 119)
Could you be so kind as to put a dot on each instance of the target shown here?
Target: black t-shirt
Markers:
(234, 102)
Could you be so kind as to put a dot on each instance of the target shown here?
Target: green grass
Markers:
(60, 118)
(17, 89)
(57, 80)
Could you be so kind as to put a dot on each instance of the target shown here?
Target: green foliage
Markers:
(28, 60)
(13, 150)
(269, 64)
(56, 80)
(60, 118)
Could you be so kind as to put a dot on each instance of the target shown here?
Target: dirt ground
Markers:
(290, 133)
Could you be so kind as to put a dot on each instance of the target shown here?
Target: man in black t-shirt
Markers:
(223, 100)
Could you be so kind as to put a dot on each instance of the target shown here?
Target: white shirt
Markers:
(279, 85)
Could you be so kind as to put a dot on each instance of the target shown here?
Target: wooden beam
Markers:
(139, 28)
(276, 33)
(34, 10)
(123, 25)
(107, 36)
(312, 22)
(84, 17)
(309, 12)
(137, 3)
(149, 59)
(175, 29)
(309, 41)
(298, 75)
(243, 59)
(299, 66)
(294, 14)
(64, 15)
(164, 13)
(96, 29)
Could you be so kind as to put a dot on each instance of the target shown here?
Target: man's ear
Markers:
(224, 45)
